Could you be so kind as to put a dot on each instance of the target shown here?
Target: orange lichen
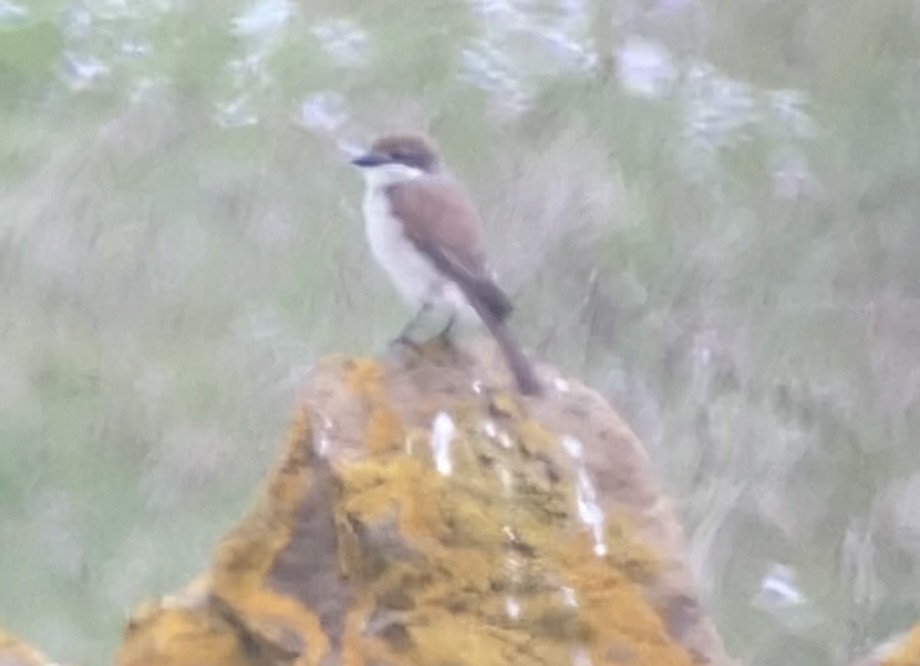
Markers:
(384, 430)
(908, 651)
(357, 650)
(445, 636)
(504, 404)
(300, 431)
(627, 552)
(466, 540)
(243, 562)
(536, 440)
(381, 554)
(617, 614)
(375, 489)
(165, 635)
(363, 375)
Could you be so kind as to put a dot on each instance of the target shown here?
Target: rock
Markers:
(903, 650)
(424, 513)
(13, 652)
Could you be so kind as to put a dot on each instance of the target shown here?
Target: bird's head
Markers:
(396, 157)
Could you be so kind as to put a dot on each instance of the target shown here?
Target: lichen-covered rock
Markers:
(906, 652)
(903, 650)
(13, 652)
(423, 513)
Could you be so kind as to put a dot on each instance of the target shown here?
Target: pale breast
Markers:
(411, 272)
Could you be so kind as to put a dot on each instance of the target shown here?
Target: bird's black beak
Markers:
(370, 160)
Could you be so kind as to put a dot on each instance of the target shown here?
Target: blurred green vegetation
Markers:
(730, 253)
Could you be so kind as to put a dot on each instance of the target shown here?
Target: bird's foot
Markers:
(445, 339)
(405, 342)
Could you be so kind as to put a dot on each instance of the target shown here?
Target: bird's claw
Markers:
(406, 342)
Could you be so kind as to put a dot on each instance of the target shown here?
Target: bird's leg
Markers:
(404, 338)
(445, 334)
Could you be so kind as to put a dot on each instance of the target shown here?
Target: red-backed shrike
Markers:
(425, 232)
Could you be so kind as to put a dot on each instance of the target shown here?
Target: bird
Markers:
(426, 234)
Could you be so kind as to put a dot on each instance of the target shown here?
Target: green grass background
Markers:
(734, 261)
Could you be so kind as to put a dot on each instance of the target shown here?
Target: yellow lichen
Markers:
(505, 404)
(170, 636)
(384, 431)
(908, 651)
(615, 610)
(536, 440)
(377, 488)
(363, 375)
(485, 563)
(627, 552)
(468, 548)
(243, 562)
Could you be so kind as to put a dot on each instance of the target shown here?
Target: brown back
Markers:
(440, 219)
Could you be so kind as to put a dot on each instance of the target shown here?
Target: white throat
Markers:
(378, 177)
(418, 281)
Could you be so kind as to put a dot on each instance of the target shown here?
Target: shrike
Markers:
(426, 234)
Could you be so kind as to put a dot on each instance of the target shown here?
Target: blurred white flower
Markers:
(77, 22)
(324, 111)
(791, 176)
(525, 44)
(502, 14)
(129, 47)
(236, 113)
(645, 68)
(344, 40)
(263, 26)
(789, 108)
(251, 67)
(778, 589)
(718, 109)
(488, 68)
(10, 12)
(575, 9)
(570, 50)
(264, 18)
(82, 72)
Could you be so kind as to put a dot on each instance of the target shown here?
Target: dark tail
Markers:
(524, 374)
(492, 297)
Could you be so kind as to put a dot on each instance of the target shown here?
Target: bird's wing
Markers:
(441, 221)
